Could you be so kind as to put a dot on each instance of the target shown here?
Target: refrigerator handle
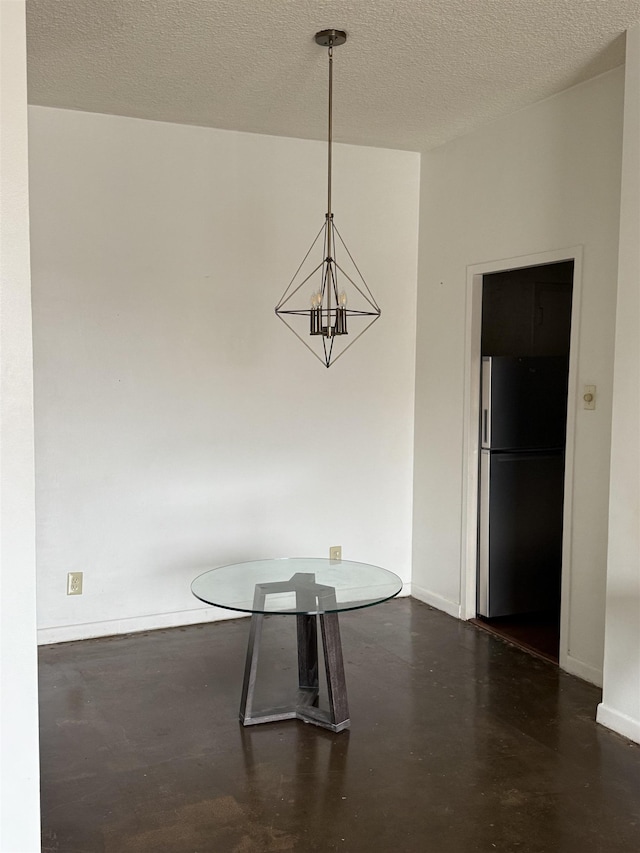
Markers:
(485, 402)
(482, 595)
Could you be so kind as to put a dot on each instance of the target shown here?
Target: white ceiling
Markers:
(413, 74)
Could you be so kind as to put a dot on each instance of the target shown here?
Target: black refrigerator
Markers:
(523, 433)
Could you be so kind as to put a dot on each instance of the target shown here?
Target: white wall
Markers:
(620, 708)
(179, 424)
(19, 770)
(543, 179)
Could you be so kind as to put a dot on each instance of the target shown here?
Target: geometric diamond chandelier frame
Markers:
(327, 304)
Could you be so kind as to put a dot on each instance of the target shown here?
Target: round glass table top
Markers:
(291, 585)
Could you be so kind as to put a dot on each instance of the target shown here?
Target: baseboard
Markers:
(583, 670)
(453, 608)
(134, 624)
(617, 722)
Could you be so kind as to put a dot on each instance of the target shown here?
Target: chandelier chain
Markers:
(329, 167)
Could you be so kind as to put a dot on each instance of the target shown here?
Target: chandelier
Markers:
(328, 305)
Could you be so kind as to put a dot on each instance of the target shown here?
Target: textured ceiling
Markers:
(413, 74)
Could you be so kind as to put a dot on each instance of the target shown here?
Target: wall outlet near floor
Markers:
(335, 553)
(74, 583)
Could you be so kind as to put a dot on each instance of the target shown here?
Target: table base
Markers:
(304, 708)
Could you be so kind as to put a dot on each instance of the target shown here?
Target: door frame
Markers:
(471, 419)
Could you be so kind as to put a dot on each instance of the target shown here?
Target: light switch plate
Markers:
(335, 553)
(589, 396)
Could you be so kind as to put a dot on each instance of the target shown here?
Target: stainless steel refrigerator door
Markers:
(520, 547)
(524, 403)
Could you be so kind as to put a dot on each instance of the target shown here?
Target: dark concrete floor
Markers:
(459, 742)
(538, 633)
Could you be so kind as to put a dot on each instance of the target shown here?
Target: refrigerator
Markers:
(523, 432)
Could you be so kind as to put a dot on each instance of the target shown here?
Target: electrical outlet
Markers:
(335, 553)
(74, 583)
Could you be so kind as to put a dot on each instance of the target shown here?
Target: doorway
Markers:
(525, 341)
